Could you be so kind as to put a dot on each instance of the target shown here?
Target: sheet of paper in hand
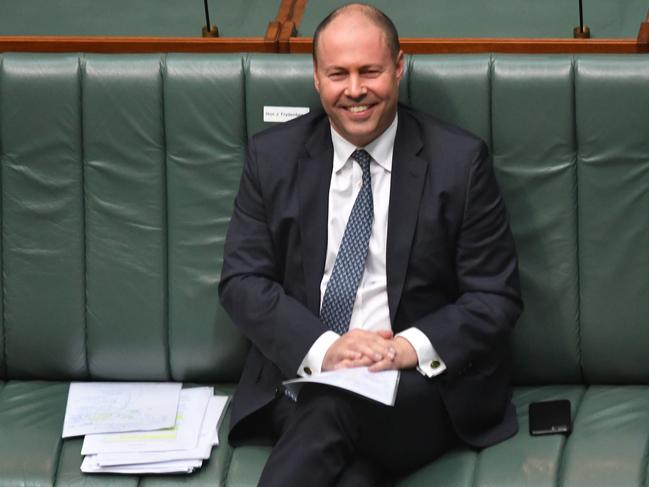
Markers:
(378, 386)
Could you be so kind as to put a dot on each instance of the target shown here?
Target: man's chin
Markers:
(359, 136)
(361, 140)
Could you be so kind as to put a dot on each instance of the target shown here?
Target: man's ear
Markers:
(316, 82)
(400, 66)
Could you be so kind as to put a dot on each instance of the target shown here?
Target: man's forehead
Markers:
(352, 19)
(355, 30)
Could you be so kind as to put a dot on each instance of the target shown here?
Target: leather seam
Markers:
(408, 72)
(490, 81)
(645, 464)
(59, 450)
(165, 218)
(577, 219)
(561, 462)
(226, 465)
(245, 64)
(84, 233)
(3, 333)
(476, 466)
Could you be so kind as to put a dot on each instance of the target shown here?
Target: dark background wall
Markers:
(172, 18)
(498, 18)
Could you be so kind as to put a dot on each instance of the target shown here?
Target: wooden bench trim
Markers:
(135, 44)
(643, 33)
(279, 42)
(412, 45)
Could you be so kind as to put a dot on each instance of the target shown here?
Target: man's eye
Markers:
(336, 75)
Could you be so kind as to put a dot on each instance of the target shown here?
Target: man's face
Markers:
(357, 78)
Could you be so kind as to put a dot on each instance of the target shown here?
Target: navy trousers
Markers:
(335, 438)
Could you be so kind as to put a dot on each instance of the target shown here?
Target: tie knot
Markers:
(363, 158)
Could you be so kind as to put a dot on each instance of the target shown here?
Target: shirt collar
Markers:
(380, 148)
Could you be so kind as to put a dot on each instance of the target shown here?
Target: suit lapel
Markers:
(407, 182)
(314, 177)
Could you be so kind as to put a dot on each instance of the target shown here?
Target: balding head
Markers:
(370, 12)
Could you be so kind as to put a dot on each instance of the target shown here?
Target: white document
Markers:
(89, 465)
(102, 407)
(202, 451)
(379, 386)
(183, 436)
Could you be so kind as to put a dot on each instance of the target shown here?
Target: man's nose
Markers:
(355, 87)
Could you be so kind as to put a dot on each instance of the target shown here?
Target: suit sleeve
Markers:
(475, 330)
(251, 291)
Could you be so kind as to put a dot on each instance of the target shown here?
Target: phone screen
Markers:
(550, 417)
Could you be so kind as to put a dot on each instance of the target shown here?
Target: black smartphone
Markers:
(550, 417)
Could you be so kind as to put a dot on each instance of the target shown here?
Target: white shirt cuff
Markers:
(312, 363)
(430, 363)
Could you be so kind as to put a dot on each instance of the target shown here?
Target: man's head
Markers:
(357, 69)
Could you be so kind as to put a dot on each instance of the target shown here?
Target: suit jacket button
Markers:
(435, 364)
(307, 370)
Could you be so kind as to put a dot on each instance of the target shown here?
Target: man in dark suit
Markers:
(411, 202)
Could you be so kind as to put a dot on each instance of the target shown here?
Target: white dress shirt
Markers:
(370, 310)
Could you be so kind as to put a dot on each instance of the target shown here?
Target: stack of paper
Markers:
(143, 427)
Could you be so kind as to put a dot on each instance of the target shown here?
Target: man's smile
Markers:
(358, 108)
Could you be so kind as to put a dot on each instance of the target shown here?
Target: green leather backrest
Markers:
(42, 216)
(454, 88)
(120, 172)
(118, 175)
(534, 150)
(205, 142)
(281, 80)
(612, 101)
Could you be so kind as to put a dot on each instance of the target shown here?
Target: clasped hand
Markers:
(378, 350)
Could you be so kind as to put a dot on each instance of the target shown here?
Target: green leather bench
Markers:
(118, 175)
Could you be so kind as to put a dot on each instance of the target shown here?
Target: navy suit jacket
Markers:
(450, 258)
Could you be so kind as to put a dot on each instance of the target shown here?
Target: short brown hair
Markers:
(381, 20)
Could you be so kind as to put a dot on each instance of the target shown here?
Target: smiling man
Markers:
(369, 235)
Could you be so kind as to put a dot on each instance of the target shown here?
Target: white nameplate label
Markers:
(283, 114)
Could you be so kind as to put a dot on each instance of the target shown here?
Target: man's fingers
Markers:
(373, 346)
(388, 363)
(392, 354)
(373, 352)
(386, 334)
(361, 361)
(352, 355)
(383, 365)
(343, 364)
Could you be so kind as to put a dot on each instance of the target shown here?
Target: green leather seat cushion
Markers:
(606, 448)
(32, 452)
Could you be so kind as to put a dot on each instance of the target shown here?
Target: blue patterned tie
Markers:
(340, 294)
